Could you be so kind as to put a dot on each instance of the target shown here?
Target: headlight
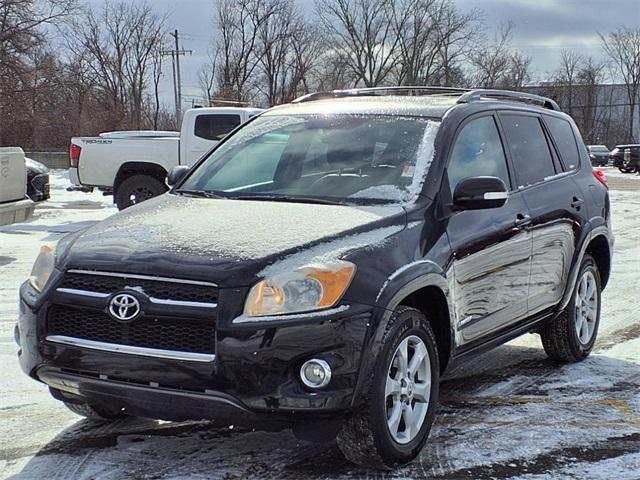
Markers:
(43, 267)
(309, 288)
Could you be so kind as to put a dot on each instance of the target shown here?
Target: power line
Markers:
(175, 63)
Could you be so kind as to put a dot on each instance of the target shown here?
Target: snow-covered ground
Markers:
(510, 414)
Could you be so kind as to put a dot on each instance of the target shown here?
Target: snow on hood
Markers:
(237, 229)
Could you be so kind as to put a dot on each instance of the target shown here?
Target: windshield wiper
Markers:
(288, 198)
(200, 193)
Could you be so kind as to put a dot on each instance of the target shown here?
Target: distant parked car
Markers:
(599, 155)
(37, 180)
(626, 158)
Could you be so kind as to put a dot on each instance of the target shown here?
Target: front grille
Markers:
(41, 182)
(153, 288)
(164, 334)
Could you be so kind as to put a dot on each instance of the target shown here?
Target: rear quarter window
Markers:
(565, 141)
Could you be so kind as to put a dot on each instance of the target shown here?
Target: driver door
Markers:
(491, 248)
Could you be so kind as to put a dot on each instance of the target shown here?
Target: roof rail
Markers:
(476, 95)
(381, 91)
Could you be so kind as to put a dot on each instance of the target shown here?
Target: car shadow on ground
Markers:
(509, 412)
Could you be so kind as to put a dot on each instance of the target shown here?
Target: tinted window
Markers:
(478, 152)
(529, 149)
(562, 134)
(215, 127)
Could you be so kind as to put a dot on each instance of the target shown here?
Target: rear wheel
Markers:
(394, 419)
(571, 336)
(94, 412)
(138, 188)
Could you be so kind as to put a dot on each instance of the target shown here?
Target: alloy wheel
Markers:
(408, 389)
(586, 307)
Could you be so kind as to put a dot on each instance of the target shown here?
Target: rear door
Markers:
(492, 247)
(208, 130)
(556, 203)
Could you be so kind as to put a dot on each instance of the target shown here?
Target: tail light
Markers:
(74, 155)
(601, 177)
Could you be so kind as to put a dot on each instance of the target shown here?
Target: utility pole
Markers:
(177, 83)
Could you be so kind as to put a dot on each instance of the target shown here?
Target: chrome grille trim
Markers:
(131, 350)
(83, 293)
(157, 301)
(182, 303)
(143, 277)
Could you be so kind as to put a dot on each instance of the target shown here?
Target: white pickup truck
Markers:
(133, 165)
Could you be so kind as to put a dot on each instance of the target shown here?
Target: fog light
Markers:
(315, 373)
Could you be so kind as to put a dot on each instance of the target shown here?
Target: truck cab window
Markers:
(215, 127)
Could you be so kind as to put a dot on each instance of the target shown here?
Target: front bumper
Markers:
(254, 372)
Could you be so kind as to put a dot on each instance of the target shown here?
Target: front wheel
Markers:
(571, 336)
(394, 418)
(138, 188)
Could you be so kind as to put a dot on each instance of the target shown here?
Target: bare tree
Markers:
(239, 23)
(363, 33)
(274, 46)
(122, 44)
(623, 48)
(207, 76)
(491, 61)
(307, 46)
(458, 34)
(21, 23)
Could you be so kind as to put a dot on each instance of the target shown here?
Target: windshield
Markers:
(343, 158)
(598, 149)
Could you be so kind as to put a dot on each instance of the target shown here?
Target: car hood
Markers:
(34, 166)
(230, 242)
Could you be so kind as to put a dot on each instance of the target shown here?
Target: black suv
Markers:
(325, 264)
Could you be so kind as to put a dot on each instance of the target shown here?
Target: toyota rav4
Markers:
(325, 264)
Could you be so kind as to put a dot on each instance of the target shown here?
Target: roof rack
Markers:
(380, 91)
(476, 95)
(466, 95)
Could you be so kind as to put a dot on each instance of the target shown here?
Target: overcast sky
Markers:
(542, 29)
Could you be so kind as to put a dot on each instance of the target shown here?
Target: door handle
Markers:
(522, 220)
(577, 203)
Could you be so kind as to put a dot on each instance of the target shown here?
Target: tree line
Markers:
(68, 69)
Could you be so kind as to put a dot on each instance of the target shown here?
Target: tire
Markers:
(366, 438)
(136, 189)
(94, 412)
(570, 337)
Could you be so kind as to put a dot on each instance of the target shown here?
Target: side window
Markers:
(215, 127)
(478, 152)
(564, 139)
(530, 152)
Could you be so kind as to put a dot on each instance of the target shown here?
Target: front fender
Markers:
(401, 284)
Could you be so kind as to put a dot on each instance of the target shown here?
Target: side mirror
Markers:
(477, 193)
(176, 174)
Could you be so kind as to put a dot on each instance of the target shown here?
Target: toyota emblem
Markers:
(124, 307)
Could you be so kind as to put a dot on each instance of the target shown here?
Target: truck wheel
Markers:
(392, 422)
(571, 336)
(136, 189)
(94, 412)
